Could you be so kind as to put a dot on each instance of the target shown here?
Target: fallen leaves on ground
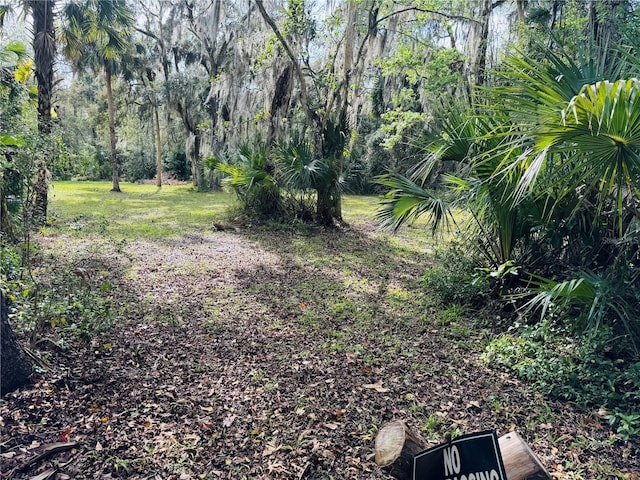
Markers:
(272, 356)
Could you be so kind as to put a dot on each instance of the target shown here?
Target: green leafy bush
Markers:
(137, 166)
(587, 371)
(67, 303)
(452, 278)
(175, 163)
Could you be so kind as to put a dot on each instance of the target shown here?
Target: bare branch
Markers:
(427, 10)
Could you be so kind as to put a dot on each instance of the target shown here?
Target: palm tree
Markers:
(559, 167)
(44, 48)
(96, 36)
(467, 143)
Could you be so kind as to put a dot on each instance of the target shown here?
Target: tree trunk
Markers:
(555, 8)
(192, 149)
(328, 196)
(15, 366)
(323, 208)
(520, 9)
(156, 119)
(395, 448)
(115, 166)
(44, 49)
(483, 44)
(6, 226)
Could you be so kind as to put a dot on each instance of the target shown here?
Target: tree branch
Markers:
(427, 10)
(296, 65)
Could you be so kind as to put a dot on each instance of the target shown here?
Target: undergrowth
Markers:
(588, 370)
(48, 298)
(590, 367)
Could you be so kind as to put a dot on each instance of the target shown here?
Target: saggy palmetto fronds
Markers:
(250, 178)
(407, 201)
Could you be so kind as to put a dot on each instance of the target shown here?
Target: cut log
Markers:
(520, 462)
(396, 446)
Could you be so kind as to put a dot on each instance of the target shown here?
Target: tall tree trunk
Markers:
(115, 164)
(44, 48)
(5, 219)
(192, 149)
(520, 9)
(156, 119)
(555, 8)
(15, 366)
(483, 44)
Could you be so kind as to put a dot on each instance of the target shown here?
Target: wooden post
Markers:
(396, 446)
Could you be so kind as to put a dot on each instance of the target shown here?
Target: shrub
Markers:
(587, 371)
(137, 166)
(175, 164)
(452, 278)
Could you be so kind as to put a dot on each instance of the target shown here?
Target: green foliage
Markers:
(96, 31)
(10, 263)
(175, 164)
(627, 425)
(61, 300)
(138, 166)
(406, 201)
(250, 176)
(587, 371)
(548, 171)
(452, 278)
(607, 298)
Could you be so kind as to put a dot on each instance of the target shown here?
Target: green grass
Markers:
(145, 211)
(139, 211)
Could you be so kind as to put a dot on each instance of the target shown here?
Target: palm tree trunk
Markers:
(158, 147)
(112, 133)
(44, 48)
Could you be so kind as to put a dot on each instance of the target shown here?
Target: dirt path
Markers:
(271, 355)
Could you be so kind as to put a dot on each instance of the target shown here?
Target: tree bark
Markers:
(156, 119)
(44, 48)
(520, 9)
(481, 58)
(192, 149)
(15, 366)
(115, 165)
(395, 447)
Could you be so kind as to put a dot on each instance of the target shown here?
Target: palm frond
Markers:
(550, 293)
(598, 297)
(600, 133)
(406, 201)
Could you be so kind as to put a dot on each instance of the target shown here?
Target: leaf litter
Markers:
(272, 355)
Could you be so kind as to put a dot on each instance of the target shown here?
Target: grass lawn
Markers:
(145, 211)
(139, 211)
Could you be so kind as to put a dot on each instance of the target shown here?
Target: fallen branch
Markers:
(45, 475)
(48, 451)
